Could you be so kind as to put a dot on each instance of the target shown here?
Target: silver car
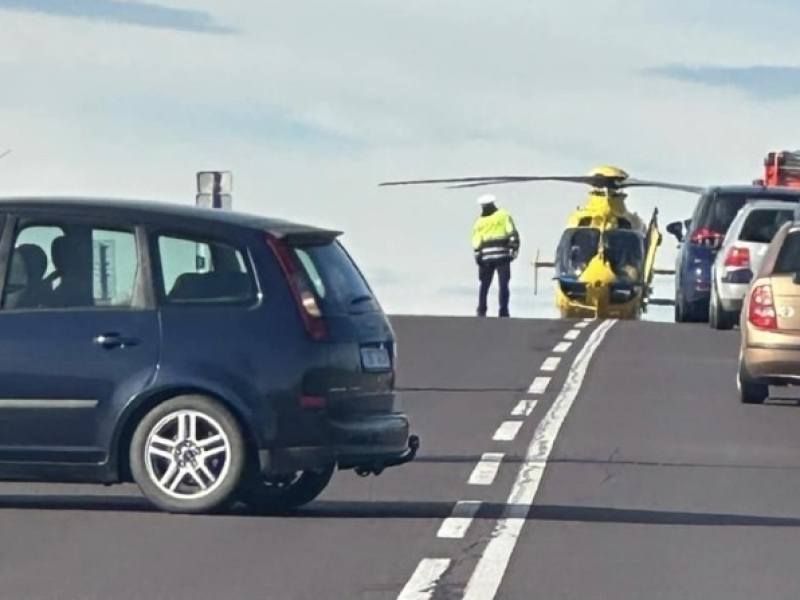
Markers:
(739, 257)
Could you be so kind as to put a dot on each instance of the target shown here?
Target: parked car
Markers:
(209, 356)
(740, 256)
(700, 240)
(769, 352)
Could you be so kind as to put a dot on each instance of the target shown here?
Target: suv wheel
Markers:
(750, 392)
(287, 492)
(187, 455)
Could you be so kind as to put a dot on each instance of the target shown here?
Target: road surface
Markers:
(629, 470)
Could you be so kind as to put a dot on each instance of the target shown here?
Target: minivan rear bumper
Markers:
(368, 444)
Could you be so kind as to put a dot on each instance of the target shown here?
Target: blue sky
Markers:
(312, 103)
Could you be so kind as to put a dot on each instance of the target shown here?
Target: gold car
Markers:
(770, 321)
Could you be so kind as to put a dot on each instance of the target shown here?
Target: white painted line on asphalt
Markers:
(588, 319)
(423, 582)
(551, 363)
(572, 334)
(486, 469)
(455, 526)
(492, 564)
(539, 385)
(581, 325)
(524, 408)
(562, 347)
(507, 431)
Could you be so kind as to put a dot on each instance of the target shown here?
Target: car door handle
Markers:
(115, 340)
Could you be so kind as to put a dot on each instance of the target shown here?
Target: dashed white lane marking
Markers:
(562, 347)
(486, 469)
(455, 526)
(524, 408)
(572, 334)
(507, 431)
(551, 363)
(582, 324)
(423, 582)
(491, 567)
(539, 385)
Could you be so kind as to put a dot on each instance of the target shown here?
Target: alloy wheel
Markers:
(187, 454)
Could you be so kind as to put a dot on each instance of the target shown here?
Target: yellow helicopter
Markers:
(605, 259)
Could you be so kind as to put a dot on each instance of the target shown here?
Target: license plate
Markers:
(375, 359)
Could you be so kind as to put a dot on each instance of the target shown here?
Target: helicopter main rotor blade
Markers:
(679, 187)
(491, 180)
(453, 180)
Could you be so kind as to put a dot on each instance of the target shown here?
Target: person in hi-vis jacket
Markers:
(495, 242)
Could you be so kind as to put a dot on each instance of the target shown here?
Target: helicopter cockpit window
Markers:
(625, 253)
(577, 248)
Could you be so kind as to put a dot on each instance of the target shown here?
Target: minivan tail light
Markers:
(706, 237)
(737, 257)
(761, 309)
(304, 297)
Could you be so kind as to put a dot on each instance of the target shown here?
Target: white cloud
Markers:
(425, 89)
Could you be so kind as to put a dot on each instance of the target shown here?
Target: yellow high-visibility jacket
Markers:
(495, 237)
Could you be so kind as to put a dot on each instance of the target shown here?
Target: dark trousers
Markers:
(486, 275)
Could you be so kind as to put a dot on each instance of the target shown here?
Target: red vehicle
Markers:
(781, 168)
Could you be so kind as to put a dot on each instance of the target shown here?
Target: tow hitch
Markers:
(378, 467)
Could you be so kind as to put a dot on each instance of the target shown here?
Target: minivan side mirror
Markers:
(676, 229)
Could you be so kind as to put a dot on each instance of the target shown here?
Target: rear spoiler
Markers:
(304, 236)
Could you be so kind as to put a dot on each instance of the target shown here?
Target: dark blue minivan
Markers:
(208, 356)
(701, 237)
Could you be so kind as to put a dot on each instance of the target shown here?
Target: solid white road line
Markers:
(550, 363)
(539, 385)
(524, 408)
(455, 526)
(562, 347)
(423, 582)
(572, 334)
(491, 567)
(486, 469)
(507, 431)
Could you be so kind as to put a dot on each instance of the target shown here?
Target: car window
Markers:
(761, 224)
(335, 277)
(197, 271)
(71, 266)
(788, 260)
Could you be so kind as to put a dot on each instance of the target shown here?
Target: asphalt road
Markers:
(360, 541)
(647, 478)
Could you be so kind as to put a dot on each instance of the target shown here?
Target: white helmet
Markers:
(487, 199)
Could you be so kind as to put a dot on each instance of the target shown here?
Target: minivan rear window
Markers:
(762, 224)
(788, 260)
(721, 210)
(338, 283)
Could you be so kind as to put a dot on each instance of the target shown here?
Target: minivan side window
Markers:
(202, 272)
(71, 266)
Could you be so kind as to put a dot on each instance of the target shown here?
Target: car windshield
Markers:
(338, 283)
(762, 224)
(788, 260)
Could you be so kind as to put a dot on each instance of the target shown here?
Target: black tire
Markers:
(281, 496)
(750, 391)
(223, 489)
(718, 317)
